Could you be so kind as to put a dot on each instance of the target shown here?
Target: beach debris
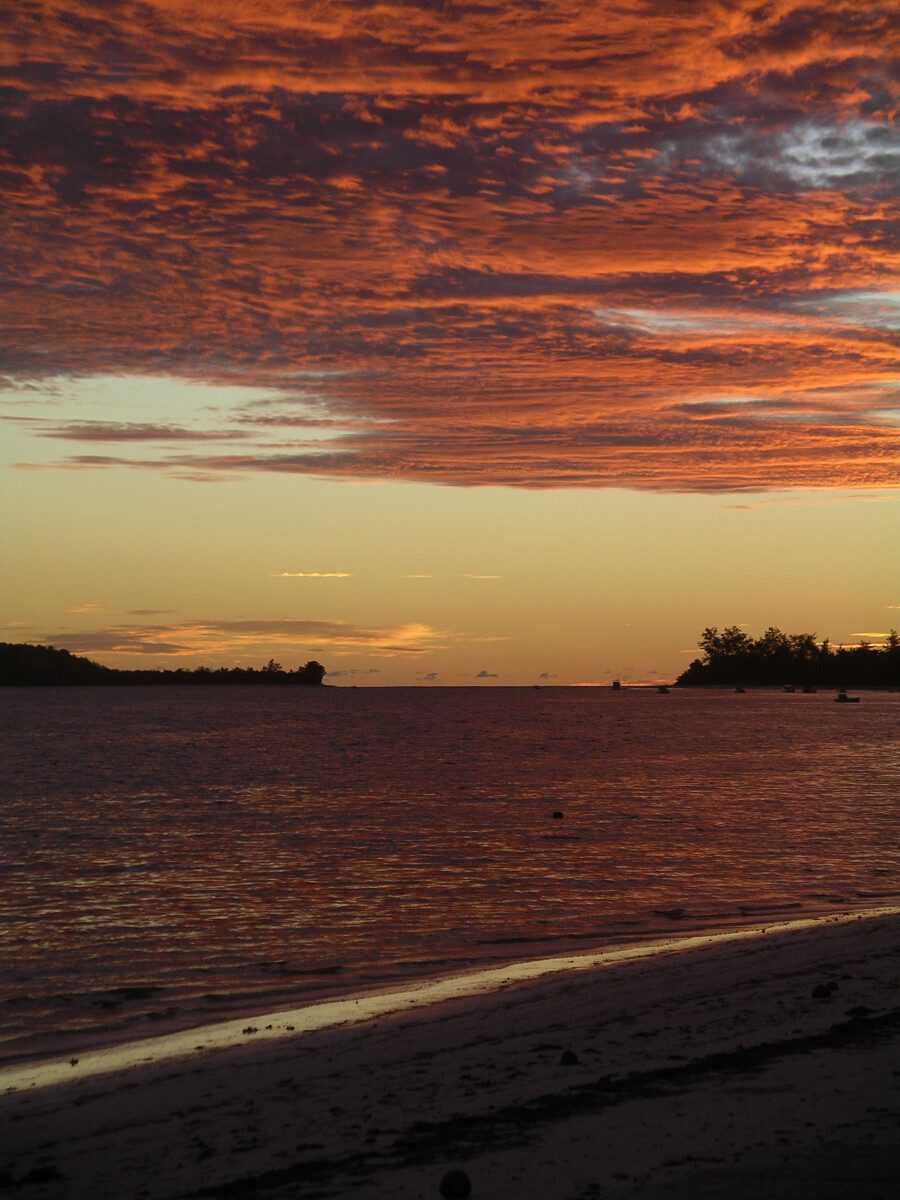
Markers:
(568, 1058)
(250, 1029)
(823, 990)
(557, 815)
(73, 1062)
(456, 1185)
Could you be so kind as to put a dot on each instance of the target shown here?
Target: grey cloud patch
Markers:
(810, 154)
(872, 309)
(486, 675)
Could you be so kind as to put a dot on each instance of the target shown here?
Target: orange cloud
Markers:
(647, 245)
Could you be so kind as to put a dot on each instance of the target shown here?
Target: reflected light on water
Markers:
(170, 855)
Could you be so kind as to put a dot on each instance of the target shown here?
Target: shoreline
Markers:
(257, 1029)
(742, 1067)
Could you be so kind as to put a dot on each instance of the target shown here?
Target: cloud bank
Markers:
(644, 245)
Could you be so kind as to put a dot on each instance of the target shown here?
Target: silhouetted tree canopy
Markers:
(776, 658)
(24, 665)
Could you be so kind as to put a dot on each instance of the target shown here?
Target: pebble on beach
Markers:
(456, 1185)
(823, 990)
(568, 1058)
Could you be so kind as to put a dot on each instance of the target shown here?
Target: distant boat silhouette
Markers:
(740, 691)
(617, 686)
(843, 698)
(663, 690)
(788, 687)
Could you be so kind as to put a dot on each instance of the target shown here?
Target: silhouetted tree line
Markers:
(24, 665)
(776, 658)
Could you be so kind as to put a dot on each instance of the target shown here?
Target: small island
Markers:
(25, 665)
(779, 659)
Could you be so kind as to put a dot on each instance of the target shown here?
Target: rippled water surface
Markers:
(172, 853)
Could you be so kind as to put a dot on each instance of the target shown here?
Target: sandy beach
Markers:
(757, 1065)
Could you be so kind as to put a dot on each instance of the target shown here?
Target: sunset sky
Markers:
(446, 342)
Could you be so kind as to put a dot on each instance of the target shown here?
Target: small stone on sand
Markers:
(823, 990)
(456, 1185)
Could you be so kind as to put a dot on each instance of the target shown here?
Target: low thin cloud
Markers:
(223, 639)
(487, 675)
(127, 431)
(354, 673)
(636, 443)
(87, 608)
(465, 575)
(812, 501)
(313, 575)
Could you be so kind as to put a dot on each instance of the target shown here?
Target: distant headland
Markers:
(24, 665)
(791, 659)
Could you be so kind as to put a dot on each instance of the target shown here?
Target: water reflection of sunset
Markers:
(239, 847)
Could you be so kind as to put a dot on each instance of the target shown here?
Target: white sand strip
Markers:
(355, 1010)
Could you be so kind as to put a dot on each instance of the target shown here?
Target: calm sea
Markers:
(169, 855)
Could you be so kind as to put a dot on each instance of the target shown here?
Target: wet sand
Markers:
(757, 1064)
